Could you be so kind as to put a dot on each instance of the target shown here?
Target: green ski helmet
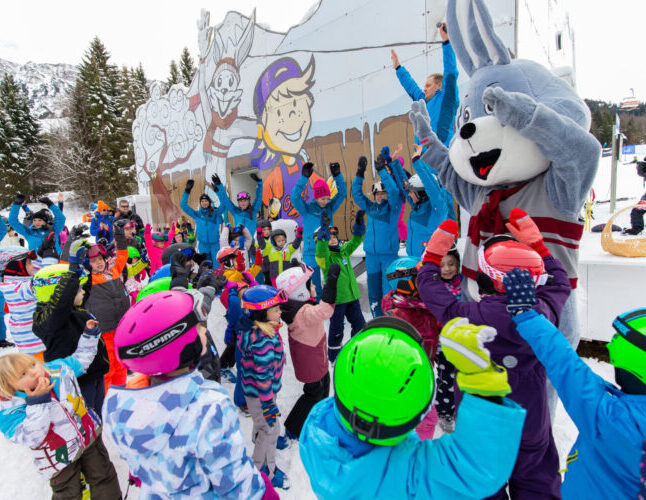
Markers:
(383, 382)
(45, 280)
(159, 285)
(133, 253)
(628, 346)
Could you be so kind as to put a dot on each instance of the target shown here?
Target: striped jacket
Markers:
(262, 361)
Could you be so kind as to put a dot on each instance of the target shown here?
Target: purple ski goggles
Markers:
(243, 195)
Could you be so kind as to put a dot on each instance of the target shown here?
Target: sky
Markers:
(609, 40)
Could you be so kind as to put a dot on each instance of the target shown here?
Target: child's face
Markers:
(323, 201)
(97, 264)
(38, 223)
(381, 196)
(243, 204)
(280, 241)
(204, 203)
(129, 231)
(29, 377)
(159, 244)
(78, 299)
(179, 238)
(287, 121)
(334, 241)
(266, 232)
(449, 266)
(273, 314)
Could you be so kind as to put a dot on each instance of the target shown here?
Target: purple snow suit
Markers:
(535, 474)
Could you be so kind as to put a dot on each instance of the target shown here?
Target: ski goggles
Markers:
(277, 299)
(130, 225)
(402, 273)
(96, 251)
(334, 231)
(243, 195)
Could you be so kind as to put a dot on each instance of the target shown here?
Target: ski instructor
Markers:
(437, 88)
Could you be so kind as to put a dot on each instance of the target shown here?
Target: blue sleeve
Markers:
(357, 194)
(26, 208)
(94, 225)
(448, 108)
(297, 200)
(584, 393)
(335, 203)
(448, 59)
(15, 224)
(436, 193)
(224, 200)
(257, 202)
(411, 88)
(59, 219)
(394, 199)
(234, 310)
(3, 229)
(184, 206)
(60, 205)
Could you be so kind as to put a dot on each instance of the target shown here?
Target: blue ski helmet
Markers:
(401, 268)
(162, 272)
(261, 297)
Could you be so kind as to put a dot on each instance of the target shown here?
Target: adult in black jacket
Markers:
(59, 323)
(125, 213)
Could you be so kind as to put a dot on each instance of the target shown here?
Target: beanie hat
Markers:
(101, 206)
(43, 214)
(401, 161)
(205, 197)
(321, 189)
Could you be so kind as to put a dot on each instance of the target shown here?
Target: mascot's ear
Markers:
(472, 35)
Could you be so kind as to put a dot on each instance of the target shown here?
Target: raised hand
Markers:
(189, 186)
(45, 200)
(394, 58)
(361, 166)
(441, 242)
(20, 199)
(511, 108)
(307, 169)
(255, 177)
(335, 168)
(521, 291)
(421, 122)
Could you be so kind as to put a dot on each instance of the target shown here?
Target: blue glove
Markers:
(385, 152)
(269, 411)
(359, 227)
(521, 291)
(75, 260)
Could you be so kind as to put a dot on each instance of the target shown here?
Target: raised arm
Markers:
(255, 208)
(342, 190)
(3, 228)
(184, 206)
(15, 224)
(297, 200)
(411, 88)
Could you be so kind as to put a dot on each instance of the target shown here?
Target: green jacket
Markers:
(347, 288)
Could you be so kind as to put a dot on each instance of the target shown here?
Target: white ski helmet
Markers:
(415, 183)
(294, 282)
(378, 187)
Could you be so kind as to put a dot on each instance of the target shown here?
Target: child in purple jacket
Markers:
(536, 473)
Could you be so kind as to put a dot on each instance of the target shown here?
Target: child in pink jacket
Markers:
(156, 243)
(307, 337)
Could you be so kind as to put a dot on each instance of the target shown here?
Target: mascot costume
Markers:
(522, 141)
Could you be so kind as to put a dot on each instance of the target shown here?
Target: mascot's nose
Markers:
(467, 130)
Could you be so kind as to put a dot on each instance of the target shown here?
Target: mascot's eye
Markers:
(230, 81)
(466, 115)
(294, 102)
(219, 81)
(278, 111)
(488, 109)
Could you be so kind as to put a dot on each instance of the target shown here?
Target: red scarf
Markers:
(489, 219)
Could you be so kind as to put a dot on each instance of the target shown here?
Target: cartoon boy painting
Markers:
(282, 103)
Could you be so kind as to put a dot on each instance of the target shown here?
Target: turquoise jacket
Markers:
(35, 236)
(207, 225)
(606, 456)
(473, 462)
(242, 217)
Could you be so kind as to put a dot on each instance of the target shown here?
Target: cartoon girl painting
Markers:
(282, 103)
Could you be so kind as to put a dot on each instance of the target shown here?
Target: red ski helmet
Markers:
(502, 253)
(226, 254)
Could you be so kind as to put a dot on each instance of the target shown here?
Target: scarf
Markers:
(489, 219)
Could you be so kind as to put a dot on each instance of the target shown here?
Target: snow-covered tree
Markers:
(187, 67)
(174, 76)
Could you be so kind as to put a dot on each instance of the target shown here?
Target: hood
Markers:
(336, 461)
(162, 406)
(290, 308)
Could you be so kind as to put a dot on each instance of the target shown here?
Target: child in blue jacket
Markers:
(245, 213)
(360, 445)
(101, 226)
(381, 245)
(41, 223)
(606, 456)
(207, 222)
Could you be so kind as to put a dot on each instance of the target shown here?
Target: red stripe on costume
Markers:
(571, 230)
(562, 243)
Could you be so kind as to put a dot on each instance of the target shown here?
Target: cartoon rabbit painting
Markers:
(222, 52)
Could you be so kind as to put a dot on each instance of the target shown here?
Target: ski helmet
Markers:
(12, 260)
(162, 272)
(159, 236)
(48, 277)
(160, 284)
(276, 232)
(294, 281)
(133, 253)
(383, 381)
(226, 255)
(415, 183)
(262, 297)
(264, 223)
(628, 346)
(502, 253)
(402, 273)
(243, 195)
(159, 333)
(378, 187)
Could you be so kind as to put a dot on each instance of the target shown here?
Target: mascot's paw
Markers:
(421, 122)
(511, 108)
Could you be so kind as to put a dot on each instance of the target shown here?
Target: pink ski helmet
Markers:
(159, 334)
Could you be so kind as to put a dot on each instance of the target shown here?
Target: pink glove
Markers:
(441, 242)
(525, 230)
(258, 233)
(299, 231)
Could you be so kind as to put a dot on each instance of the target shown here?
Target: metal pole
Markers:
(613, 171)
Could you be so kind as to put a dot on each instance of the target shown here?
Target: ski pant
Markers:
(445, 380)
(99, 474)
(316, 276)
(351, 311)
(313, 392)
(211, 250)
(118, 373)
(238, 394)
(378, 286)
(93, 392)
(3, 327)
(263, 436)
(637, 218)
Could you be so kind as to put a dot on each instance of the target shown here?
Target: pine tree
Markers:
(187, 67)
(174, 76)
(20, 143)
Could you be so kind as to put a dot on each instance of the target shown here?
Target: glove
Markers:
(380, 164)
(78, 231)
(511, 108)
(258, 259)
(215, 182)
(45, 200)
(421, 123)
(361, 166)
(178, 265)
(329, 290)
(441, 242)
(307, 169)
(48, 246)
(525, 230)
(240, 263)
(269, 411)
(359, 227)
(259, 233)
(323, 233)
(521, 291)
(20, 199)
(463, 345)
(119, 234)
(385, 152)
(189, 186)
(299, 232)
(255, 177)
(215, 282)
(335, 169)
(119, 227)
(77, 258)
